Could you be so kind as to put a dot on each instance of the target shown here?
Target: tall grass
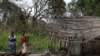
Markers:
(3, 39)
(38, 43)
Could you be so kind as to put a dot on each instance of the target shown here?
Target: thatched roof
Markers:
(87, 25)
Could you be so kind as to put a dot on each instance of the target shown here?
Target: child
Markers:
(23, 45)
(22, 38)
(12, 42)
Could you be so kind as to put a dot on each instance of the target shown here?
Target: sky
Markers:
(67, 1)
(29, 2)
(26, 3)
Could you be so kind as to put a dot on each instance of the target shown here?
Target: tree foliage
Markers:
(57, 7)
(13, 17)
(88, 7)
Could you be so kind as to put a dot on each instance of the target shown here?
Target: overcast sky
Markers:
(28, 3)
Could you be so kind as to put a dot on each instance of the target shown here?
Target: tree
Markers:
(13, 15)
(73, 9)
(17, 16)
(57, 7)
(88, 7)
(39, 7)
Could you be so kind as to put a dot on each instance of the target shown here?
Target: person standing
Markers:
(12, 43)
(22, 38)
(23, 48)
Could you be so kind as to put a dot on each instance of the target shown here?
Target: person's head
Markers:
(12, 33)
(23, 33)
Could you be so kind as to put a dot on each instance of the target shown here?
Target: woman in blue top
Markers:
(12, 43)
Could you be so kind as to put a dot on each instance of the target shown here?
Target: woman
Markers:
(12, 43)
(23, 49)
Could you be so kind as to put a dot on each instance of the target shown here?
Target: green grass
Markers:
(3, 40)
(38, 43)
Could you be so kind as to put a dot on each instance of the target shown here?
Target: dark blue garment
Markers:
(12, 44)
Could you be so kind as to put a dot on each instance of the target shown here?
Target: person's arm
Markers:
(8, 38)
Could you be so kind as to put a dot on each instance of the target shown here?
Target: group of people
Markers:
(23, 43)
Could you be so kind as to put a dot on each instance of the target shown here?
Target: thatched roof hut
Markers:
(86, 26)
